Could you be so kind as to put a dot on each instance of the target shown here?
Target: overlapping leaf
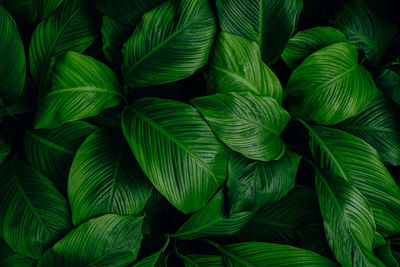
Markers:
(330, 86)
(171, 42)
(114, 35)
(157, 259)
(105, 178)
(176, 150)
(33, 10)
(248, 124)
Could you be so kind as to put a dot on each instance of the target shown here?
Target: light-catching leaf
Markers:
(176, 150)
(81, 87)
(70, 28)
(33, 10)
(348, 220)
(248, 124)
(330, 86)
(277, 222)
(379, 126)
(306, 42)
(269, 23)
(12, 58)
(114, 35)
(8, 258)
(171, 42)
(357, 162)
(33, 214)
(109, 240)
(251, 184)
(52, 151)
(236, 65)
(105, 178)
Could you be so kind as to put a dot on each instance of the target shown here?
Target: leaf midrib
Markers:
(235, 75)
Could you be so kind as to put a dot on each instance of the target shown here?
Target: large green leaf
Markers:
(357, 162)
(70, 28)
(52, 151)
(236, 65)
(176, 150)
(246, 123)
(251, 184)
(81, 87)
(109, 240)
(254, 254)
(365, 28)
(213, 220)
(195, 260)
(277, 222)
(171, 42)
(269, 23)
(379, 126)
(306, 42)
(8, 258)
(348, 220)
(126, 11)
(33, 10)
(12, 58)
(114, 35)
(105, 178)
(33, 214)
(330, 86)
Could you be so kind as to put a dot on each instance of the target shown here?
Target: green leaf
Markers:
(12, 56)
(109, 240)
(379, 126)
(161, 130)
(70, 28)
(251, 184)
(269, 23)
(171, 42)
(4, 151)
(52, 151)
(194, 260)
(389, 82)
(277, 222)
(236, 65)
(126, 11)
(8, 258)
(105, 178)
(332, 83)
(348, 220)
(33, 214)
(82, 87)
(213, 221)
(114, 35)
(156, 259)
(33, 10)
(248, 124)
(357, 162)
(252, 254)
(365, 28)
(306, 42)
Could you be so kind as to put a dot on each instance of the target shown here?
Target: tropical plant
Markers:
(199, 133)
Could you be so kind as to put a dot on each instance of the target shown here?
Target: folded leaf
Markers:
(126, 11)
(194, 260)
(52, 151)
(109, 240)
(277, 222)
(357, 162)
(379, 126)
(176, 150)
(33, 214)
(114, 36)
(105, 178)
(82, 87)
(306, 42)
(251, 184)
(268, 254)
(236, 65)
(330, 86)
(12, 58)
(270, 23)
(8, 258)
(70, 28)
(248, 124)
(171, 42)
(213, 221)
(33, 10)
(348, 220)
